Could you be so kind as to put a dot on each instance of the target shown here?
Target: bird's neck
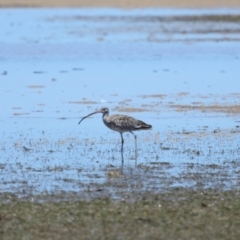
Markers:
(105, 115)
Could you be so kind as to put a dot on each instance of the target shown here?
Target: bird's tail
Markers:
(143, 125)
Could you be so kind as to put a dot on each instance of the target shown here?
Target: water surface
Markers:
(177, 70)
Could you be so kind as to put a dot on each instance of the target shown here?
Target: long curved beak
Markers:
(89, 116)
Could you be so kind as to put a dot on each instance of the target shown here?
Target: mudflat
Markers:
(175, 69)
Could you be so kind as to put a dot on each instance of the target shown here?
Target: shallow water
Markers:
(177, 70)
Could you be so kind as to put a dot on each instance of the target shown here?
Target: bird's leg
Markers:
(135, 136)
(122, 142)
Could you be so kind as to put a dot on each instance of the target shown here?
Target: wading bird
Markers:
(121, 123)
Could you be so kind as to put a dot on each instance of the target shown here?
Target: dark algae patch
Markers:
(178, 214)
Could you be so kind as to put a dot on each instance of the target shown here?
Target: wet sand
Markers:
(122, 4)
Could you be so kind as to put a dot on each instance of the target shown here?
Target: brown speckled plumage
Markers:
(123, 123)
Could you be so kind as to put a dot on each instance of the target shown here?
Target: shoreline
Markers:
(119, 4)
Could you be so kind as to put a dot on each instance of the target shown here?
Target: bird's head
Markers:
(104, 110)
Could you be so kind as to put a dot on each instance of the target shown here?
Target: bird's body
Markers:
(121, 123)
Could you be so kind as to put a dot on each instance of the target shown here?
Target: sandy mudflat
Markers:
(121, 3)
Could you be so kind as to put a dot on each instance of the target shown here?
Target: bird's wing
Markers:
(126, 122)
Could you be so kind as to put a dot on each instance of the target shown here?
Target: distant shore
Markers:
(123, 4)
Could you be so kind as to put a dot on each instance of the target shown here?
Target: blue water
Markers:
(58, 65)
